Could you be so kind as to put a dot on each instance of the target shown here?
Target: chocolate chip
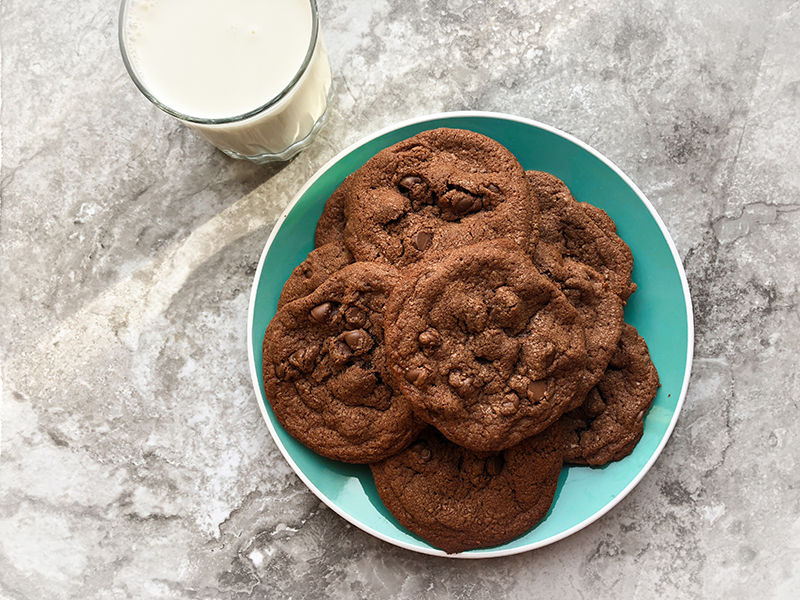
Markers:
(429, 338)
(464, 204)
(423, 240)
(321, 312)
(280, 370)
(355, 317)
(493, 188)
(304, 358)
(308, 272)
(413, 375)
(421, 449)
(536, 390)
(355, 339)
(494, 465)
(640, 416)
(459, 381)
(408, 182)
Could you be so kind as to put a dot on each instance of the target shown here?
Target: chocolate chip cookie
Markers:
(438, 190)
(320, 264)
(487, 349)
(325, 370)
(460, 500)
(566, 226)
(610, 422)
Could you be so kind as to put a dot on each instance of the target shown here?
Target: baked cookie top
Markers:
(320, 264)
(565, 224)
(609, 227)
(600, 308)
(611, 420)
(487, 349)
(438, 190)
(325, 371)
(459, 500)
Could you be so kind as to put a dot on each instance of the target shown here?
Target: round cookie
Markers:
(600, 308)
(460, 500)
(487, 349)
(610, 422)
(330, 227)
(565, 225)
(439, 190)
(325, 368)
(320, 264)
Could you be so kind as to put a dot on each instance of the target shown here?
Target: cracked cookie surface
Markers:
(566, 225)
(594, 299)
(611, 420)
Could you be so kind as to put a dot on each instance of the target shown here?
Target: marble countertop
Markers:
(134, 461)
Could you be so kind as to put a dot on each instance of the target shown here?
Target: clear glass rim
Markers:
(222, 120)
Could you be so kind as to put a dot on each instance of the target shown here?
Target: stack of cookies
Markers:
(459, 328)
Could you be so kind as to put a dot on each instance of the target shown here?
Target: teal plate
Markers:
(661, 310)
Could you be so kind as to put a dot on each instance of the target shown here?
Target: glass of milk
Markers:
(250, 76)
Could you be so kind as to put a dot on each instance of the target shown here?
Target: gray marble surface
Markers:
(134, 462)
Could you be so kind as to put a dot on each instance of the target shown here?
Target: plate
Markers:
(661, 310)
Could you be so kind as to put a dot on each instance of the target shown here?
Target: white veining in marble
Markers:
(134, 462)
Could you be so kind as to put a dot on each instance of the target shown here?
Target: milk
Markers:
(237, 71)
